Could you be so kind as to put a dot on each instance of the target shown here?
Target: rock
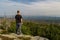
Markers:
(35, 38)
(7, 37)
(41, 38)
(38, 38)
(13, 34)
(24, 37)
(1, 30)
(0, 39)
(20, 37)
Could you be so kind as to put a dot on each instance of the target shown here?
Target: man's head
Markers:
(18, 12)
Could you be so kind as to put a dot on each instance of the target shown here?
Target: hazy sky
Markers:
(30, 7)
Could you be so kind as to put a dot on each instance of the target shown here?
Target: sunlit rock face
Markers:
(20, 37)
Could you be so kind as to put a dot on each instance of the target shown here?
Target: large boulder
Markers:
(42, 38)
(20, 37)
(38, 38)
(35, 38)
(7, 37)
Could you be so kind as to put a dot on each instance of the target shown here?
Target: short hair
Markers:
(18, 11)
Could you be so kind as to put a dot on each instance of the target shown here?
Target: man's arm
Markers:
(21, 20)
(15, 16)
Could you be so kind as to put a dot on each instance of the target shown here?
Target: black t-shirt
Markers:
(18, 18)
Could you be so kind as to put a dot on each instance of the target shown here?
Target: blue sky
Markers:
(26, 1)
(30, 7)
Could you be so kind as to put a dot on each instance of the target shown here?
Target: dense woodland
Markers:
(47, 30)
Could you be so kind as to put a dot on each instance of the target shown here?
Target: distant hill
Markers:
(42, 18)
(37, 18)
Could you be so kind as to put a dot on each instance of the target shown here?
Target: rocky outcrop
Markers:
(20, 37)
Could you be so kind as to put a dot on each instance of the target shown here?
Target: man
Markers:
(18, 18)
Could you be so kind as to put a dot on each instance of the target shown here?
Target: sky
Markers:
(30, 7)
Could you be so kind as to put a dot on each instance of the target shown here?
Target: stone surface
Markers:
(7, 37)
(20, 37)
(41, 38)
(1, 30)
(35, 38)
(0, 39)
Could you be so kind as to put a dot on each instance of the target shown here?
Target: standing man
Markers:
(18, 18)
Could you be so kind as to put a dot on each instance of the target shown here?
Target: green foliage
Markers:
(50, 31)
(25, 30)
(12, 27)
(3, 26)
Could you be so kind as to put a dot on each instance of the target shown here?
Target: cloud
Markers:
(26, 1)
(30, 1)
(41, 8)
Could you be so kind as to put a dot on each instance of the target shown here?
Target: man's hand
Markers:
(21, 21)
